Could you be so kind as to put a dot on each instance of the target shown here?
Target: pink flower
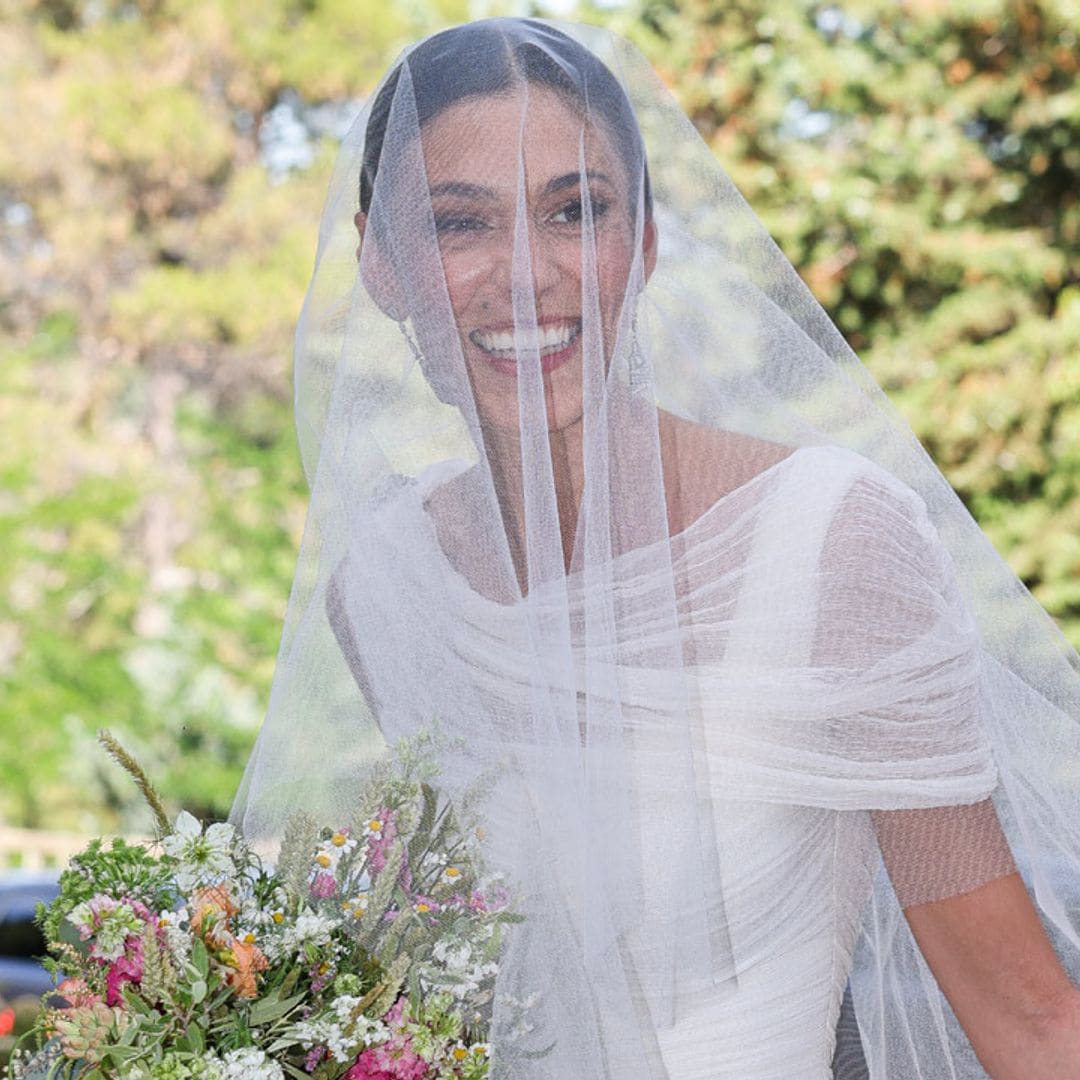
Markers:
(128, 968)
(394, 1013)
(315, 1055)
(498, 897)
(76, 993)
(323, 886)
(141, 910)
(379, 846)
(394, 1060)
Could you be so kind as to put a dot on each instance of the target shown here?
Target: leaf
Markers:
(121, 1054)
(200, 958)
(135, 1003)
(198, 991)
(290, 980)
(268, 1010)
(282, 1043)
(130, 1034)
(194, 1039)
(224, 994)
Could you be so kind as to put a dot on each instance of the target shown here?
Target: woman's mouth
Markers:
(554, 342)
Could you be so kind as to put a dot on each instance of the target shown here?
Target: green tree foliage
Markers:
(151, 270)
(919, 162)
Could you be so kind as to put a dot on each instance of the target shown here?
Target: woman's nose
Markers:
(507, 259)
(549, 266)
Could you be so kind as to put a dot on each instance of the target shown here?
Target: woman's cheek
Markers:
(614, 261)
(464, 273)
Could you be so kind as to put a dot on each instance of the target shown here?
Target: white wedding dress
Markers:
(688, 749)
(796, 746)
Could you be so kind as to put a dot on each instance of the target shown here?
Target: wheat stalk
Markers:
(142, 781)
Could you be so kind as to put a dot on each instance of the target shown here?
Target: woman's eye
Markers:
(572, 212)
(458, 223)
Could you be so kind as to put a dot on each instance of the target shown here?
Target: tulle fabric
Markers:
(652, 545)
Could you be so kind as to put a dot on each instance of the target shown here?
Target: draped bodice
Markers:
(802, 714)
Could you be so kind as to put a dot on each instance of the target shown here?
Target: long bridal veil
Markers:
(598, 489)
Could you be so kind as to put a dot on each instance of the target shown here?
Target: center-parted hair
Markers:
(491, 57)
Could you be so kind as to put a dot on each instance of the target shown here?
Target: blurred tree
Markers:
(161, 168)
(919, 162)
(162, 165)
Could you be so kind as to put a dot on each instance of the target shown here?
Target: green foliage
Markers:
(116, 867)
(918, 162)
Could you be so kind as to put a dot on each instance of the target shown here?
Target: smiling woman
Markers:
(474, 202)
(597, 486)
(573, 153)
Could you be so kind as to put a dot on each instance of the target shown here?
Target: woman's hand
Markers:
(994, 963)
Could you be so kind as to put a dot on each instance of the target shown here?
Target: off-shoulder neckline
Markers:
(430, 478)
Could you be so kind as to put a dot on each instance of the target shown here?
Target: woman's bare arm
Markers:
(994, 963)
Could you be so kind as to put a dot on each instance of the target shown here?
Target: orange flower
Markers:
(247, 959)
(213, 901)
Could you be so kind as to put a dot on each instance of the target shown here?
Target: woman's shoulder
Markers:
(703, 464)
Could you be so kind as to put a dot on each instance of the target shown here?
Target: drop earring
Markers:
(413, 347)
(637, 362)
(437, 375)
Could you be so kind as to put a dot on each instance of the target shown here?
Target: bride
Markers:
(598, 488)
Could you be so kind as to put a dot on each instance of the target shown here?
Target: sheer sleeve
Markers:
(888, 583)
(851, 669)
(942, 851)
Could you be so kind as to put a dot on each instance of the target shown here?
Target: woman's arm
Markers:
(994, 963)
(885, 585)
(346, 639)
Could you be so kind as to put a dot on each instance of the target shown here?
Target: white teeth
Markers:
(508, 343)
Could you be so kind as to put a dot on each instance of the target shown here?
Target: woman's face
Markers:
(471, 154)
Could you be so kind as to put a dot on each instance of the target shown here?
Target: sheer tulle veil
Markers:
(598, 487)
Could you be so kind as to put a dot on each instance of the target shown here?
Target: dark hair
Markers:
(491, 56)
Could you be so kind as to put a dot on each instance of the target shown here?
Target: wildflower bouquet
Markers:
(367, 953)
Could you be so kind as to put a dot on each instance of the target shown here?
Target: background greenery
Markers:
(162, 164)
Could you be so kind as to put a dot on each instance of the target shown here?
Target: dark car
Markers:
(21, 943)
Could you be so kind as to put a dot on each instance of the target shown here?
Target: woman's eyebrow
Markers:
(569, 180)
(462, 188)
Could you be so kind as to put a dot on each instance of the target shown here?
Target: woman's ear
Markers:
(360, 221)
(377, 271)
(650, 243)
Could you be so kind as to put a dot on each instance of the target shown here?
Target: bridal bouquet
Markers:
(368, 952)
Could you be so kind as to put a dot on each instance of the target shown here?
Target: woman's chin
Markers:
(495, 386)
